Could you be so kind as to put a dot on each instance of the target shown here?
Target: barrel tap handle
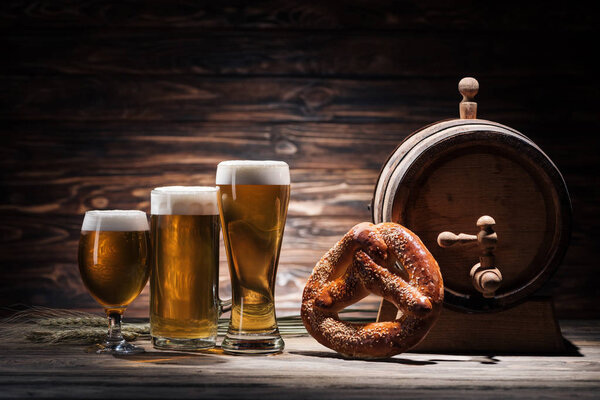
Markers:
(486, 278)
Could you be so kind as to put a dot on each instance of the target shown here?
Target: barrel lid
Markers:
(446, 176)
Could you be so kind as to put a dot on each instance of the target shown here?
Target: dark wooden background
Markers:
(100, 101)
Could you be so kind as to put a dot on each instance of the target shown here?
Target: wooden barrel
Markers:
(446, 176)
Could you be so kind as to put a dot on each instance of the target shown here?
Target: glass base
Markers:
(253, 343)
(122, 348)
(160, 342)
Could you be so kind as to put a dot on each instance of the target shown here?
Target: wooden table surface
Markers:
(304, 370)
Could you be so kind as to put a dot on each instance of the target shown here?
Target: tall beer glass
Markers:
(184, 300)
(253, 200)
(114, 252)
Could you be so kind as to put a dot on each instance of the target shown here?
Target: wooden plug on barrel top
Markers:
(486, 278)
(468, 87)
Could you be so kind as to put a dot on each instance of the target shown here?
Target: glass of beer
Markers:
(253, 201)
(114, 252)
(184, 283)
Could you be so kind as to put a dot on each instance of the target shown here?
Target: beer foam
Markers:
(184, 200)
(115, 220)
(246, 172)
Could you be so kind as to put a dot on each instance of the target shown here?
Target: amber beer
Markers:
(184, 302)
(114, 249)
(253, 200)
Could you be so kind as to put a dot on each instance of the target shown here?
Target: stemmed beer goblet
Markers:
(114, 251)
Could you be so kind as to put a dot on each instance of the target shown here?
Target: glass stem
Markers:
(114, 328)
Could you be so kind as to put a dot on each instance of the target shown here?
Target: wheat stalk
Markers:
(48, 325)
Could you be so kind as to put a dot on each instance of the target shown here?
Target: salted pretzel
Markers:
(366, 261)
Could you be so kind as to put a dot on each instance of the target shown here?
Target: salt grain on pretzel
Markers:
(364, 262)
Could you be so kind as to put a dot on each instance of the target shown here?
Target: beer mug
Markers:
(253, 200)
(184, 281)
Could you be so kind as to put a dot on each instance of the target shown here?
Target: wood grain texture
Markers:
(282, 99)
(298, 14)
(290, 53)
(529, 328)
(305, 370)
(102, 101)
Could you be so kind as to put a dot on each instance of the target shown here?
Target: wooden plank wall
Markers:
(101, 101)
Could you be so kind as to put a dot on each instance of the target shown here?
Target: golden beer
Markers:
(114, 265)
(114, 254)
(184, 302)
(253, 214)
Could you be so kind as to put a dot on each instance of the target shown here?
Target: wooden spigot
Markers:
(468, 87)
(486, 278)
